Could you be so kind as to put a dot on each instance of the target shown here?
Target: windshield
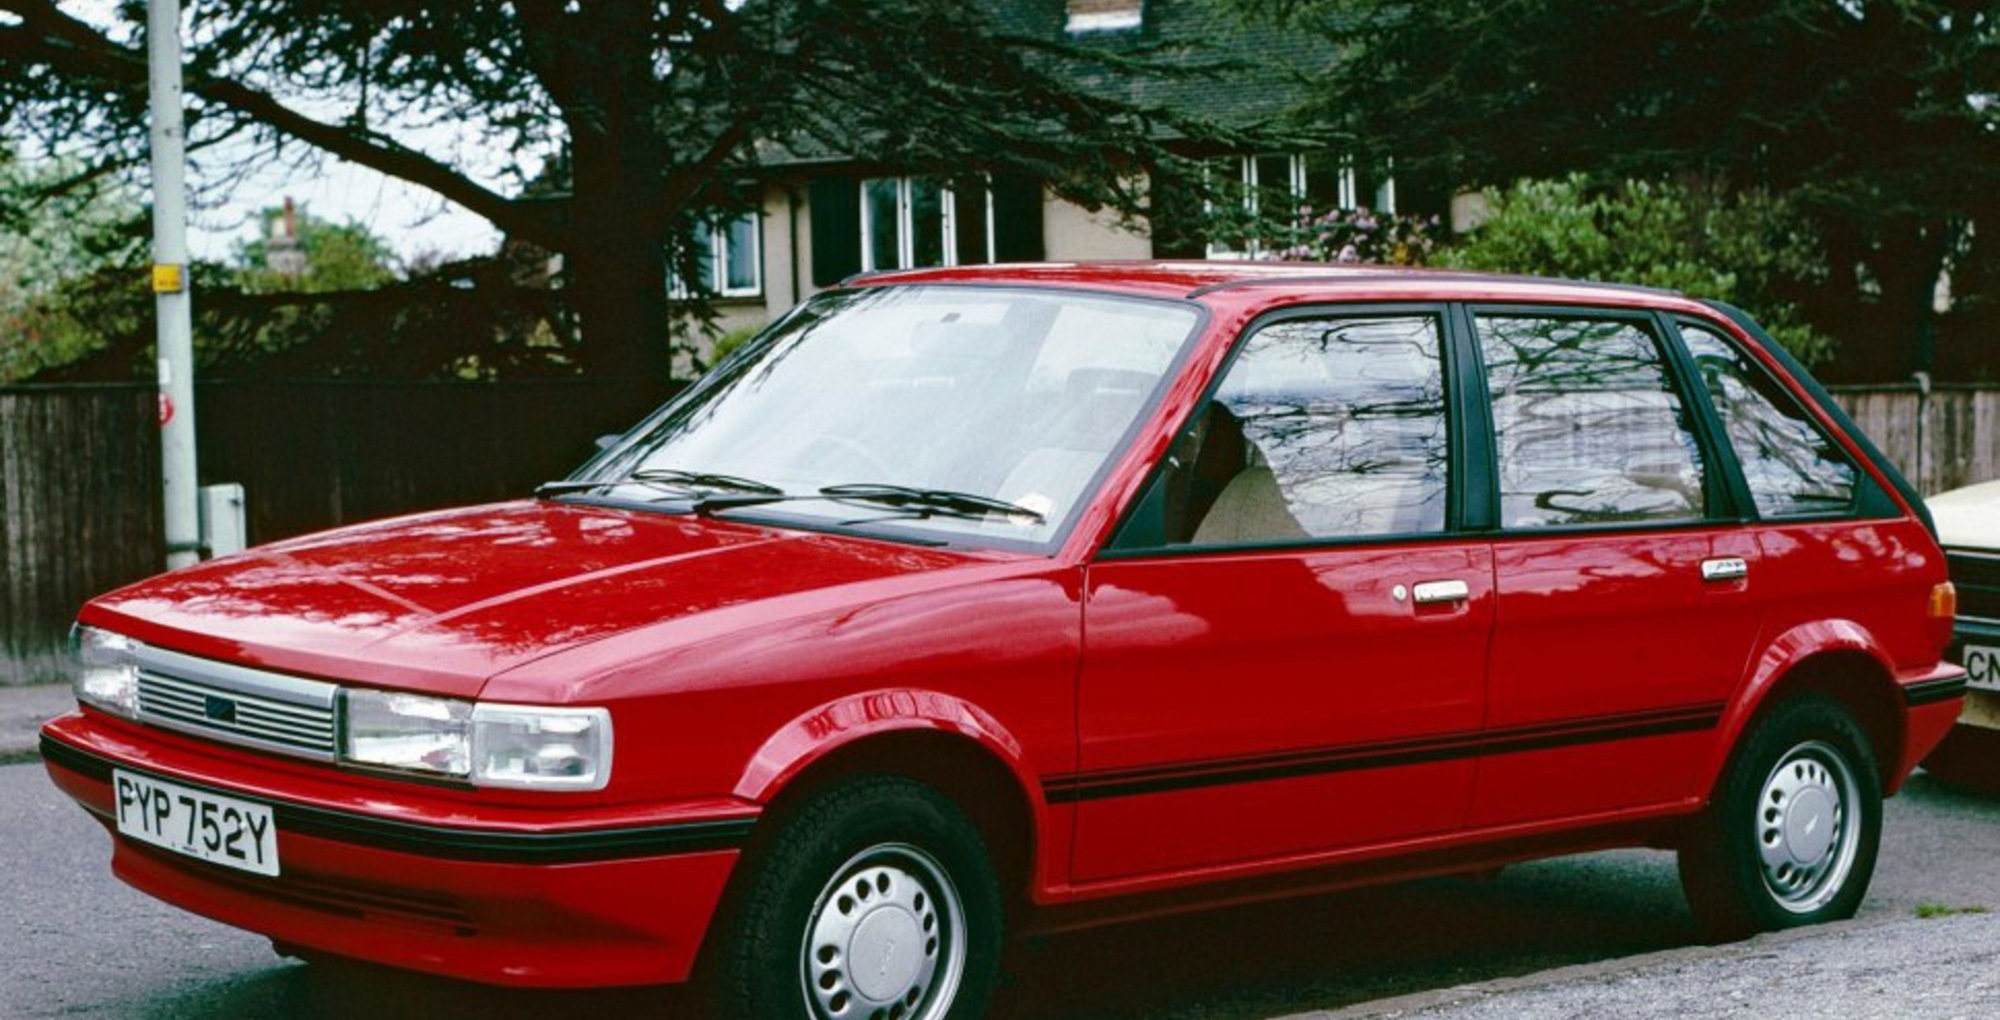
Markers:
(944, 412)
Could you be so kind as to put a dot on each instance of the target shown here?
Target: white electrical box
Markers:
(223, 527)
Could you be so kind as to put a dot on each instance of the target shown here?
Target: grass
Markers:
(1931, 910)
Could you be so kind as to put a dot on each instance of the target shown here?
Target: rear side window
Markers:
(1588, 427)
(1793, 469)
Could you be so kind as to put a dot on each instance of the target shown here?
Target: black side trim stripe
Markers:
(452, 842)
(1319, 761)
(1933, 691)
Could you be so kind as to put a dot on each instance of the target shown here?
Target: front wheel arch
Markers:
(876, 867)
(963, 771)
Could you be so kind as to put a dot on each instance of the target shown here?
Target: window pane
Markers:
(1588, 427)
(1792, 467)
(700, 242)
(741, 272)
(969, 223)
(1326, 429)
(1274, 185)
(926, 223)
(879, 211)
(1322, 183)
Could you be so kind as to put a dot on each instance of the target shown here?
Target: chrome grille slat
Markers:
(237, 705)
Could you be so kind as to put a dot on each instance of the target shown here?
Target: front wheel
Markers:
(1791, 834)
(875, 901)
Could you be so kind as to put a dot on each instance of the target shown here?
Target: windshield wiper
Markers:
(704, 480)
(569, 485)
(678, 482)
(925, 502)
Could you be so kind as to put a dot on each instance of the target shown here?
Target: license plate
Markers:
(1982, 666)
(221, 830)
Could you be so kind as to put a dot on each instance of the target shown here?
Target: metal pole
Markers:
(170, 284)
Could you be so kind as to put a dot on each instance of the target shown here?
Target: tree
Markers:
(329, 256)
(49, 243)
(651, 112)
(1744, 249)
(1879, 119)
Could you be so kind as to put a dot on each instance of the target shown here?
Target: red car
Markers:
(970, 601)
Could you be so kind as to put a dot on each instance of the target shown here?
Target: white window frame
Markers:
(906, 228)
(1347, 186)
(718, 260)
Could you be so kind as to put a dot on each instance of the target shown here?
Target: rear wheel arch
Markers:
(1862, 686)
(1838, 660)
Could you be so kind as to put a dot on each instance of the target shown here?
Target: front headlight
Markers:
(541, 748)
(523, 746)
(409, 732)
(107, 673)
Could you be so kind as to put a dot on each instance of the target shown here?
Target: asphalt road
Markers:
(74, 942)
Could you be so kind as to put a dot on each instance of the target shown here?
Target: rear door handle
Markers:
(1430, 592)
(1726, 568)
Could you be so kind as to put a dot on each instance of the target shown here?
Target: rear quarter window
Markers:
(1792, 467)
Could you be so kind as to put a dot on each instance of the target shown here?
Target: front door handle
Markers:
(1430, 592)
(1726, 568)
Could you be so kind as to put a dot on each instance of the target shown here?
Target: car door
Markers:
(1622, 623)
(1284, 648)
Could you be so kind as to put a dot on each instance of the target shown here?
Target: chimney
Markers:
(1104, 15)
(283, 254)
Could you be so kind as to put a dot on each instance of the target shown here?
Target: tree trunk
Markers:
(616, 284)
(597, 61)
(1907, 264)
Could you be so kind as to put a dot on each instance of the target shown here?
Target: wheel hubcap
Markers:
(1806, 836)
(884, 939)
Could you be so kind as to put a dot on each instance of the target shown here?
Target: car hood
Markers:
(1968, 517)
(442, 602)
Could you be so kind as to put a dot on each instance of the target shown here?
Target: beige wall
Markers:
(1073, 234)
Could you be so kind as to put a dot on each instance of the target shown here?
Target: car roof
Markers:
(1197, 279)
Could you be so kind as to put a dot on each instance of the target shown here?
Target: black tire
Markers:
(1790, 835)
(1968, 760)
(875, 867)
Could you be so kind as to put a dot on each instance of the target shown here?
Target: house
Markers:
(826, 217)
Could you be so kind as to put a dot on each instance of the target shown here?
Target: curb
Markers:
(1643, 971)
(22, 712)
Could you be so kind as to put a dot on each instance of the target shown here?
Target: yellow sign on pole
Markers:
(167, 279)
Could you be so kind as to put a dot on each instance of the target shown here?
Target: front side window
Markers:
(940, 413)
(1791, 466)
(1588, 427)
(1323, 428)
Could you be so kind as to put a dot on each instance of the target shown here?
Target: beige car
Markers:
(1968, 526)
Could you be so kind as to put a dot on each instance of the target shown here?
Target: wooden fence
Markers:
(1941, 440)
(80, 467)
(80, 472)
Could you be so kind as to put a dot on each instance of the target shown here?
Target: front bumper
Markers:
(563, 905)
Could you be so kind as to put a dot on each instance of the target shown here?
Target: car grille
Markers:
(236, 705)
(1976, 575)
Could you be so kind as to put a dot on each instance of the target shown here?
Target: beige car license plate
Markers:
(221, 830)
(1982, 666)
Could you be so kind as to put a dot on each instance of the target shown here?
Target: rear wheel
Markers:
(876, 901)
(1791, 833)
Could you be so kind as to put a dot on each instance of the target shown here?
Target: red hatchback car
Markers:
(970, 601)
